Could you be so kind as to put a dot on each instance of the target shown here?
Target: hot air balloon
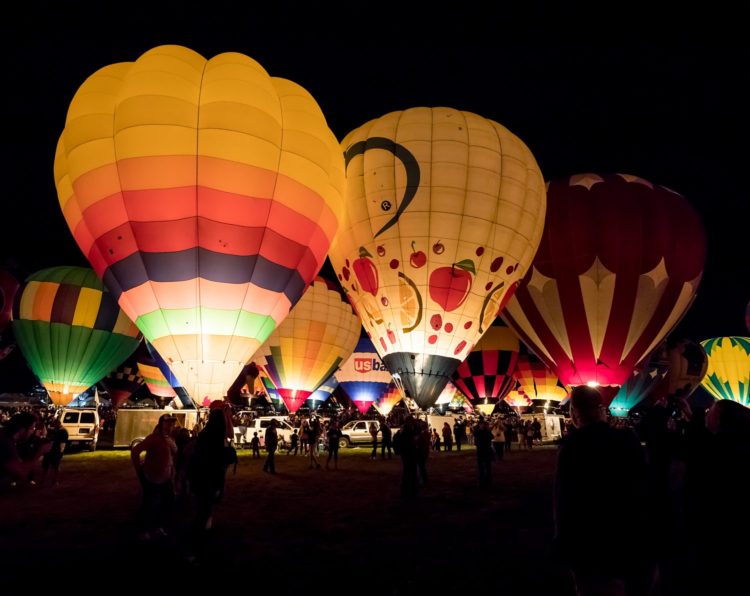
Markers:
(322, 393)
(442, 216)
(486, 375)
(537, 382)
(388, 400)
(517, 399)
(71, 330)
(363, 377)
(618, 266)
(317, 336)
(8, 288)
(154, 378)
(686, 362)
(205, 194)
(184, 399)
(728, 375)
(636, 389)
(243, 385)
(122, 382)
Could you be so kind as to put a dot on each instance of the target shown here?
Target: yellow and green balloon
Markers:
(71, 331)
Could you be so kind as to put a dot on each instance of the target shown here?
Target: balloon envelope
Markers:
(536, 381)
(71, 330)
(636, 389)
(318, 335)
(617, 267)
(363, 377)
(487, 373)
(122, 382)
(206, 194)
(686, 362)
(728, 375)
(443, 213)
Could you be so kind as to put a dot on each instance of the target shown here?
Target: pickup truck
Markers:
(357, 432)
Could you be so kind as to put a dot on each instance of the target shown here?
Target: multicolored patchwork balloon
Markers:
(728, 375)
(304, 351)
(71, 331)
(486, 375)
(443, 214)
(122, 382)
(205, 194)
(617, 268)
(385, 404)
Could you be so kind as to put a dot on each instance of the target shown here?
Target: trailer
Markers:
(134, 425)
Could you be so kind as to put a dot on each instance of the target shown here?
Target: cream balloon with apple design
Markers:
(443, 213)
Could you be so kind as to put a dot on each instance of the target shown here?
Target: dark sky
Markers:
(587, 93)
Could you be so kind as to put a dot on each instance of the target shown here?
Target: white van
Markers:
(259, 425)
(82, 425)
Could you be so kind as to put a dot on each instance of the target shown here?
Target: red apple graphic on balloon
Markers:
(366, 272)
(418, 258)
(449, 286)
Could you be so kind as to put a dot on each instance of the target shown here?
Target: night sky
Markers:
(668, 105)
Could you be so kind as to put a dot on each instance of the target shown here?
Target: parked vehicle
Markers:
(134, 425)
(244, 434)
(82, 425)
(357, 432)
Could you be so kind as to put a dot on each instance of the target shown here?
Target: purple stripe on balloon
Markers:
(184, 265)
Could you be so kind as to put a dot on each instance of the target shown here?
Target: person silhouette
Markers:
(602, 471)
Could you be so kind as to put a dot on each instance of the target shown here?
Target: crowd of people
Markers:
(659, 478)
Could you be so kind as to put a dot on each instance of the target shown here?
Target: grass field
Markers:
(345, 531)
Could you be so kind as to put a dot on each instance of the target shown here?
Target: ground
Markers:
(338, 532)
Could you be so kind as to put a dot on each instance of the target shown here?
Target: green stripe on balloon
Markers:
(162, 323)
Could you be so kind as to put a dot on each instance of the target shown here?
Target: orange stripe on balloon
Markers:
(92, 186)
(153, 296)
(235, 178)
(157, 171)
(43, 301)
(310, 204)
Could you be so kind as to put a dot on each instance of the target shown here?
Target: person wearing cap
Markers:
(156, 473)
(601, 476)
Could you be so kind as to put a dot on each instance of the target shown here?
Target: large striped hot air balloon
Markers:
(305, 350)
(206, 194)
(486, 375)
(388, 400)
(443, 214)
(617, 267)
(8, 288)
(728, 375)
(363, 377)
(71, 331)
